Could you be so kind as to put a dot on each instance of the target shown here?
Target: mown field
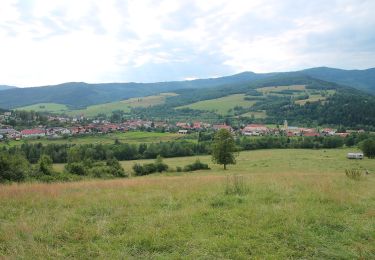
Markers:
(289, 204)
(221, 105)
(46, 107)
(256, 114)
(106, 108)
(123, 105)
(125, 137)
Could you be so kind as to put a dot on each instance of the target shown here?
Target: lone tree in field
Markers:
(224, 148)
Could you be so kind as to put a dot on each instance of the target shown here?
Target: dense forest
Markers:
(63, 153)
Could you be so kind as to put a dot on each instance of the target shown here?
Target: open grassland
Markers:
(221, 105)
(125, 137)
(316, 97)
(268, 90)
(256, 114)
(291, 204)
(46, 107)
(123, 105)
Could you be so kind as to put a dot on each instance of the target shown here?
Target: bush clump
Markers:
(108, 169)
(148, 168)
(368, 147)
(197, 165)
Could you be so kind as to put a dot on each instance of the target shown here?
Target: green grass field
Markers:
(256, 114)
(127, 137)
(46, 107)
(290, 204)
(221, 105)
(105, 108)
(267, 90)
(123, 105)
(315, 98)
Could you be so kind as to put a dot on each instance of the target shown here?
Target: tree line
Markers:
(63, 153)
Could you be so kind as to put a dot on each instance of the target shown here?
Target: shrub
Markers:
(235, 185)
(45, 165)
(13, 167)
(138, 169)
(368, 147)
(159, 165)
(115, 168)
(354, 174)
(77, 168)
(197, 165)
(148, 168)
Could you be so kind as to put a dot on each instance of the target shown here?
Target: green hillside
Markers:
(46, 107)
(80, 94)
(222, 105)
(123, 105)
(228, 104)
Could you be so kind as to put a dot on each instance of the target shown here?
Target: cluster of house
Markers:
(260, 129)
(94, 127)
(181, 127)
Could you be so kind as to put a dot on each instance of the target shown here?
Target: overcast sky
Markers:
(48, 42)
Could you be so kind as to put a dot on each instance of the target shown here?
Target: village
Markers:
(77, 126)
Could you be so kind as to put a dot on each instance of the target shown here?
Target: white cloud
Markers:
(49, 42)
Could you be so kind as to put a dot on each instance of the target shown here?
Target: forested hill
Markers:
(360, 79)
(80, 94)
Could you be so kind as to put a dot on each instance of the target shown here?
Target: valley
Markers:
(187, 129)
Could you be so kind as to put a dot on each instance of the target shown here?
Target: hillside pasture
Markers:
(268, 90)
(256, 114)
(288, 204)
(45, 107)
(221, 105)
(316, 97)
(124, 105)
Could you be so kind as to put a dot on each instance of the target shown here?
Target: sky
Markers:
(44, 42)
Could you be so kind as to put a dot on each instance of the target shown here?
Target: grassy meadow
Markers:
(46, 107)
(130, 137)
(288, 204)
(221, 105)
(256, 114)
(269, 90)
(106, 108)
(123, 105)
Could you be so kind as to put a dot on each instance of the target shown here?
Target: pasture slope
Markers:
(105, 108)
(290, 204)
(225, 105)
(221, 105)
(124, 105)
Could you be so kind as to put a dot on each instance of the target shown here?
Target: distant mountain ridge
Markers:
(80, 94)
(360, 79)
(4, 87)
